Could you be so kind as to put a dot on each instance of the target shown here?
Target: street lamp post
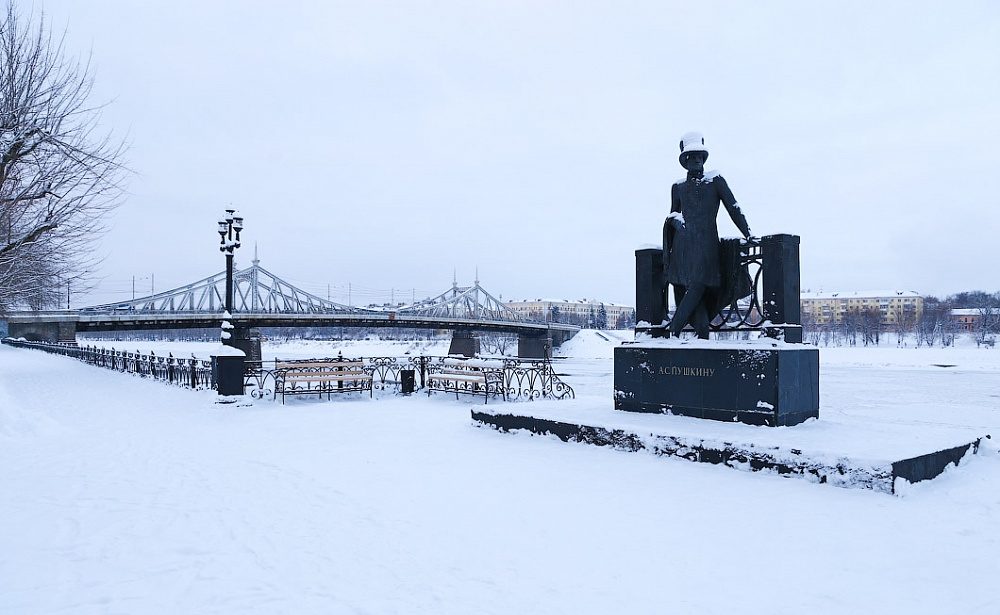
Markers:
(229, 366)
(232, 224)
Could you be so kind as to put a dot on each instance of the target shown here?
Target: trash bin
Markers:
(407, 381)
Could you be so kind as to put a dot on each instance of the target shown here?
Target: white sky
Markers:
(384, 144)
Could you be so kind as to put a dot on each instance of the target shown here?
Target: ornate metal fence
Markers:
(533, 380)
(743, 313)
(193, 373)
(522, 380)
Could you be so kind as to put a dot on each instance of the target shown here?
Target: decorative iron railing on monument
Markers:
(759, 289)
(192, 373)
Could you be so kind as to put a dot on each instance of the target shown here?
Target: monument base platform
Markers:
(843, 454)
(763, 382)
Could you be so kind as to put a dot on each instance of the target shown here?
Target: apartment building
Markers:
(543, 309)
(823, 308)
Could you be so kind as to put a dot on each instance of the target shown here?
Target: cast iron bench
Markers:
(470, 377)
(319, 376)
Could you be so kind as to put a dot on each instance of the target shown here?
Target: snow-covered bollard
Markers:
(227, 327)
(228, 363)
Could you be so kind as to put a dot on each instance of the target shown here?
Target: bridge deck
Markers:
(90, 321)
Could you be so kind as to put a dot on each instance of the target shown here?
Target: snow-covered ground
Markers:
(122, 495)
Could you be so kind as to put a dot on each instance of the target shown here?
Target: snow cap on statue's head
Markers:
(693, 142)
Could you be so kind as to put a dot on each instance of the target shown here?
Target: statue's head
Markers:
(693, 152)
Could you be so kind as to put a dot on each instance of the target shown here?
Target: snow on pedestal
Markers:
(226, 351)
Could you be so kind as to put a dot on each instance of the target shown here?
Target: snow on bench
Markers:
(320, 376)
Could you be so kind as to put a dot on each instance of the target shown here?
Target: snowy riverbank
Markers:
(125, 495)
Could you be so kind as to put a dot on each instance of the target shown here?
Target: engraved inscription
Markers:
(673, 370)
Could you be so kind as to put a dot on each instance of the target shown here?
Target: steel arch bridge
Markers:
(258, 291)
(262, 299)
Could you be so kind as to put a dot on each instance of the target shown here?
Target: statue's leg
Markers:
(689, 302)
(700, 320)
(678, 297)
(679, 292)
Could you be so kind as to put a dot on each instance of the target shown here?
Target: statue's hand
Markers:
(676, 219)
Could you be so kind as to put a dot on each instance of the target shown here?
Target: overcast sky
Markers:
(386, 144)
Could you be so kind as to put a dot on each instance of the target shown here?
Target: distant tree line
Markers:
(935, 325)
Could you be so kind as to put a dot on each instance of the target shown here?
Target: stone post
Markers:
(650, 304)
(782, 307)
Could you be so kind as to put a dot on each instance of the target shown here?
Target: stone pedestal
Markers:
(764, 384)
(463, 343)
(228, 372)
(537, 346)
(247, 340)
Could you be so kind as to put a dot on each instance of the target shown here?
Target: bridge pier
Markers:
(59, 330)
(463, 343)
(534, 345)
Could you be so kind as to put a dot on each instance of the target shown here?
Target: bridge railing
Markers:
(191, 373)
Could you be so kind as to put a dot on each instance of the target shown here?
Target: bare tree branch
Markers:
(59, 176)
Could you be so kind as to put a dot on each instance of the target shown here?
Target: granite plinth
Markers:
(842, 452)
(760, 384)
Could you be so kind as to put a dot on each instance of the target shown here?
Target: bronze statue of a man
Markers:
(691, 236)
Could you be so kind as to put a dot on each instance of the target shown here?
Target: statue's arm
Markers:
(669, 229)
(727, 198)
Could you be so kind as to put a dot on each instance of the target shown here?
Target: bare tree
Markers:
(59, 176)
(870, 325)
(988, 319)
(498, 343)
(811, 330)
(906, 322)
(850, 325)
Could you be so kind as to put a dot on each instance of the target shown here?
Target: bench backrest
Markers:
(459, 372)
(344, 365)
